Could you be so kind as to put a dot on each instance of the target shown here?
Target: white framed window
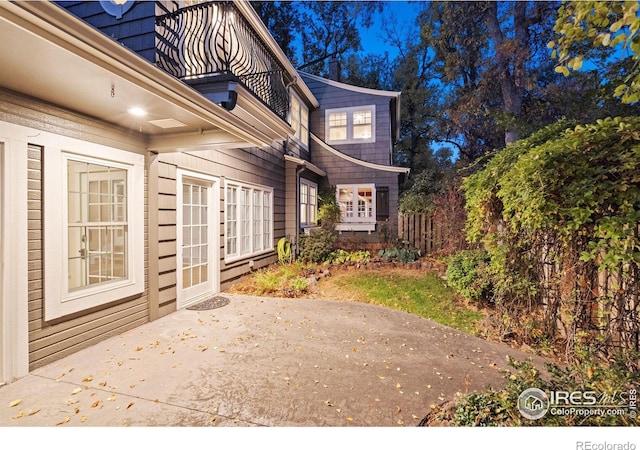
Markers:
(351, 125)
(299, 119)
(308, 203)
(357, 206)
(248, 220)
(94, 215)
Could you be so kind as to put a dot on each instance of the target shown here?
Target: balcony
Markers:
(213, 43)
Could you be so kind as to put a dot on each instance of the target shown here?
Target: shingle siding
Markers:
(135, 30)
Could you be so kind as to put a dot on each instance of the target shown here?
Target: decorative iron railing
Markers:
(213, 38)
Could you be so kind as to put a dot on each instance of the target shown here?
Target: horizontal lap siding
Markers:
(264, 167)
(49, 341)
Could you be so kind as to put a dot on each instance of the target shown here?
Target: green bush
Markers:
(468, 273)
(316, 246)
(402, 254)
(341, 256)
(610, 384)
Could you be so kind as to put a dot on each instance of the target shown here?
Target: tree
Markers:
(487, 56)
(332, 28)
(282, 20)
(585, 28)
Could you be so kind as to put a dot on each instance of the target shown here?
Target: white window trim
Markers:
(309, 184)
(239, 255)
(350, 139)
(14, 342)
(214, 234)
(302, 127)
(58, 300)
(357, 223)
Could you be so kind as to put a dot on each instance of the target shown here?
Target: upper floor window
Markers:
(300, 120)
(351, 125)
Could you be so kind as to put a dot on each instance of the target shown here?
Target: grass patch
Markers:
(425, 295)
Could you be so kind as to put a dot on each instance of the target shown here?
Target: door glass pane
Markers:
(195, 227)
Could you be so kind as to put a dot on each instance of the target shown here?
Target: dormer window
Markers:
(350, 125)
(300, 120)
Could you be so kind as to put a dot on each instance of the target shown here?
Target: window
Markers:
(351, 125)
(357, 207)
(308, 203)
(97, 225)
(249, 220)
(300, 120)
(94, 242)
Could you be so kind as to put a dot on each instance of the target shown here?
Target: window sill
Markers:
(346, 226)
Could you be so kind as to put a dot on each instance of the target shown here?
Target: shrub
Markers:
(500, 408)
(341, 256)
(316, 246)
(468, 273)
(402, 254)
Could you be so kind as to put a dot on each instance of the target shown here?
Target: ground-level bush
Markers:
(316, 246)
(467, 272)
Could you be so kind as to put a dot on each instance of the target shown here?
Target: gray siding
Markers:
(330, 97)
(49, 341)
(135, 30)
(264, 167)
(340, 171)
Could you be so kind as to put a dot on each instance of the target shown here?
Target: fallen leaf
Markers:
(76, 391)
(76, 410)
(103, 384)
(63, 421)
(213, 419)
(129, 405)
(15, 403)
(95, 404)
(350, 419)
(415, 417)
(138, 348)
(398, 410)
(20, 415)
(87, 378)
(83, 419)
(112, 398)
(398, 386)
(33, 411)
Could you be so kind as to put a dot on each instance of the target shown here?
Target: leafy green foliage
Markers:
(583, 26)
(402, 254)
(316, 246)
(467, 272)
(553, 211)
(284, 251)
(499, 407)
(341, 256)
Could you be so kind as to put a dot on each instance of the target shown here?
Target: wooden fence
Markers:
(422, 232)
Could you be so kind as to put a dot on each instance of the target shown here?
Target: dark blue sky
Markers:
(403, 12)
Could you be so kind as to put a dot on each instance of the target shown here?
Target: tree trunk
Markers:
(511, 58)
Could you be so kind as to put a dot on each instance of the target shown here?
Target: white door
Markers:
(198, 234)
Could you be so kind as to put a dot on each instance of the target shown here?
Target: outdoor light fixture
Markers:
(138, 112)
(116, 8)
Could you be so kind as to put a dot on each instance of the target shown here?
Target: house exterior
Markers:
(152, 154)
(353, 132)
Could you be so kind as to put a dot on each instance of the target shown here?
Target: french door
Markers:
(197, 261)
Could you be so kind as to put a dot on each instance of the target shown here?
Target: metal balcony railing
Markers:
(214, 39)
